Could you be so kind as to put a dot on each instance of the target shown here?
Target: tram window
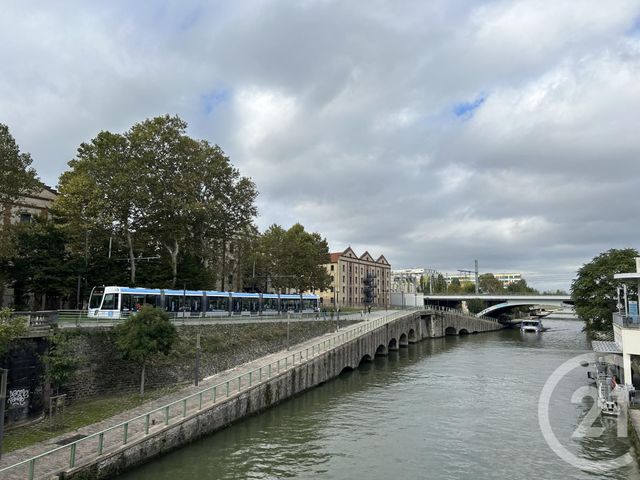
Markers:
(110, 301)
(96, 298)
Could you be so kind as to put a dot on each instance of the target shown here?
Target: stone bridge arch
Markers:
(450, 331)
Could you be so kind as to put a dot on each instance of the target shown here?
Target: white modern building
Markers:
(626, 324)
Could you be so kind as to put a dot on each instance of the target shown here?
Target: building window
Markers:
(25, 218)
(332, 268)
(343, 267)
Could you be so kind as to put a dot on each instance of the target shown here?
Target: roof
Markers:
(601, 346)
(349, 253)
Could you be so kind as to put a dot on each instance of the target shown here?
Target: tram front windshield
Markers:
(96, 298)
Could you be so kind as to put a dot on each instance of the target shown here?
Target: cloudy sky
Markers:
(435, 132)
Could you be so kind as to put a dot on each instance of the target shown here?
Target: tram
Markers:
(118, 302)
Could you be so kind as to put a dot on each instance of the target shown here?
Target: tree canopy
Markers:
(291, 259)
(144, 334)
(11, 327)
(16, 174)
(594, 288)
(155, 193)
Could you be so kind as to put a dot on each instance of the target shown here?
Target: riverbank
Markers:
(164, 428)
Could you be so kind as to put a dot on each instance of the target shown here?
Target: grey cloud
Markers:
(343, 114)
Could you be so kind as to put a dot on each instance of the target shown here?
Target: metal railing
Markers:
(89, 448)
(439, 308)
(626, 321)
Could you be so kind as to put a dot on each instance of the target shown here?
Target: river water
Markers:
(451, 408)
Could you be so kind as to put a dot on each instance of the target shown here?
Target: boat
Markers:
(531, 325)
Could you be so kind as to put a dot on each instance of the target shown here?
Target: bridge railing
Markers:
(91, 447)
(440, 308)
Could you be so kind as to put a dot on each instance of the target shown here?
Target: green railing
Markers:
(86, 449)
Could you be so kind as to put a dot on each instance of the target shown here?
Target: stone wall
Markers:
(102, 370)
(321, 368)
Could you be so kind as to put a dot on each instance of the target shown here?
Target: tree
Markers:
(594, 288)
(10, 328)
(144, 334)
(59, 361)
(454, 287)
(16, 178)
(16, 174)
(490, 284)
(294, 259)
(521, 287)
(155, 190)
(440, 285)
(40, 264)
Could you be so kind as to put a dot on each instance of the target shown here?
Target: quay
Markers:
(129, 439)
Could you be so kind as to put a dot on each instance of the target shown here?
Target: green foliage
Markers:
(594, 289)
(468, 288)
(454, 287)
(521, 287)
(40, 263)
(440, 285)
(154, 192)
(490, 284)
(10, 328)
(292, 259)
(146, 333)
(60, 362)
(476, 305)
(16, 174)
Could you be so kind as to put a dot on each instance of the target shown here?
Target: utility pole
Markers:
(477, 279)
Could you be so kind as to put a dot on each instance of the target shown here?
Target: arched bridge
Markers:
(497, 304)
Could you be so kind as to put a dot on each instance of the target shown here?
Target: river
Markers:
(451, 408)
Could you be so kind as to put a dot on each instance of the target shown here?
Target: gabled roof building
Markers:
(357, 281)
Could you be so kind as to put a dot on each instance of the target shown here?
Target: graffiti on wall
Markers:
(18, 398)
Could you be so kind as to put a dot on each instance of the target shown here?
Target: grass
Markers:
(79, 414)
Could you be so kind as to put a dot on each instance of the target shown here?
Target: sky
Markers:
(433, 132)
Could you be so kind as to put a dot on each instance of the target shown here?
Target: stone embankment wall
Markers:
(411, 328)
(102, 370)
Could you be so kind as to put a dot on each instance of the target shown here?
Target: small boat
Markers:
(531, 325)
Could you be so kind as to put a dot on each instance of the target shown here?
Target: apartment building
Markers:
(357, 281)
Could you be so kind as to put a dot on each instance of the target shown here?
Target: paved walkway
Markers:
(113, 438)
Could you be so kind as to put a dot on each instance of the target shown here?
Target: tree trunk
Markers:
(144, 364)
(223, 267)
(174, 261)
(132, 259)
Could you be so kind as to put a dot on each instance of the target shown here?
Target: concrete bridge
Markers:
(104, 452)
(497, 304)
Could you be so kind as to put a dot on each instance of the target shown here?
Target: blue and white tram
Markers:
(117, 302)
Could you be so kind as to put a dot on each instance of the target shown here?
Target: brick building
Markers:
(357, 281)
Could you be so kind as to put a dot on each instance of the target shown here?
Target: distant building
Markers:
(506, 278)
(30, 205)
(407, 280)
(357, 281)
(24, 210)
